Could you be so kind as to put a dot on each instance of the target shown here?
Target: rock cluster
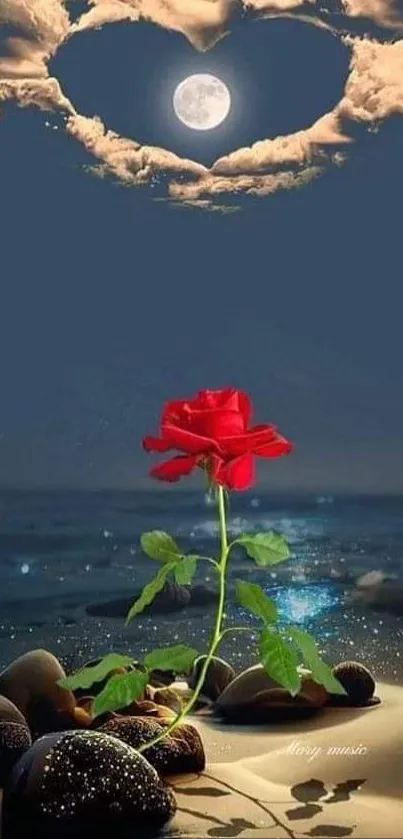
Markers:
(254, 697)
(82, 776)
(66, 774)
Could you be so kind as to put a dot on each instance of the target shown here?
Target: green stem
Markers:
(216, 634)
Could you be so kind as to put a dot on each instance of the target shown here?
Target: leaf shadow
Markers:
(308, 811)
(341, 792)
(234, 828)
(331, 830)
(311, 790)
(211, 792)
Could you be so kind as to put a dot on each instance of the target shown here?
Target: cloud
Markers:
(203, 22)
(42, 27)
(373, 90)
(127, 160)
(384, 13)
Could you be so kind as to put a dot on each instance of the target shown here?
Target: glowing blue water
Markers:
(303, 604)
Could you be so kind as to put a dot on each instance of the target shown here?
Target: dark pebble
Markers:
(358, 682)
(179, 751)
(84, 784)
(15, 740)
(219, 675)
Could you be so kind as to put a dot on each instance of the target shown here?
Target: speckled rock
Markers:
(30, 682)
(180, 751)
(254, 697)
(219, 675)
(358, 682)
(88, 784)
(15, 739)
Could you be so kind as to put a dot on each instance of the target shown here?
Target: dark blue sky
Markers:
(112, 303)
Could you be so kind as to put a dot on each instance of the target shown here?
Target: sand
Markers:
(338, 774)
(347, 763)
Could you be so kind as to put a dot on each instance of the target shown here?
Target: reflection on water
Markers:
(301, 604)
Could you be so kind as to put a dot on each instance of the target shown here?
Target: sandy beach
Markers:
(338, 774)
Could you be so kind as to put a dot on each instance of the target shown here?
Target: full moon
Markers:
(201, 101)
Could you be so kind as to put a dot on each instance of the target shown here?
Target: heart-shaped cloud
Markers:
(371, 29)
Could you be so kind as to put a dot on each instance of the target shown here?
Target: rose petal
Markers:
(217, 422)
(279, 447)
(174, 469)
(155, 444)
(228, 399)
(186, 441)
(175, 411)
(211, 413)
(260, 435)
(237, 474)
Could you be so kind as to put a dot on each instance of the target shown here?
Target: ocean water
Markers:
(60, 552)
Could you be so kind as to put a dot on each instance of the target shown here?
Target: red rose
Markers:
(212, 432)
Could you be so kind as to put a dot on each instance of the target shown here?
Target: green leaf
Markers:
(179, 658)
(120, 691)
(321, 672)
(279, 660)
(253, 598)
(160, 545)
(87, 676)
(150, 591)
(265, 548)
(185, 570)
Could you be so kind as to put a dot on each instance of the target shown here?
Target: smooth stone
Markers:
(169, 698)
(172, 598)
(357, 681)
(218, 677)
(31, 683)
(82, 717)
(200, 595)
(180, 751)
(371, 578)
(382, 597)
(10, 713)
(254, 697)
(15, 739)
(84, 784)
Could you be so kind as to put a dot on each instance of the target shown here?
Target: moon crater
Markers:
(201, 101)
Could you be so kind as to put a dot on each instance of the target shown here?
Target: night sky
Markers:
(113, 302)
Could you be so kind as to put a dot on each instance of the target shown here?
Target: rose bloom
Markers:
(212, 432)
